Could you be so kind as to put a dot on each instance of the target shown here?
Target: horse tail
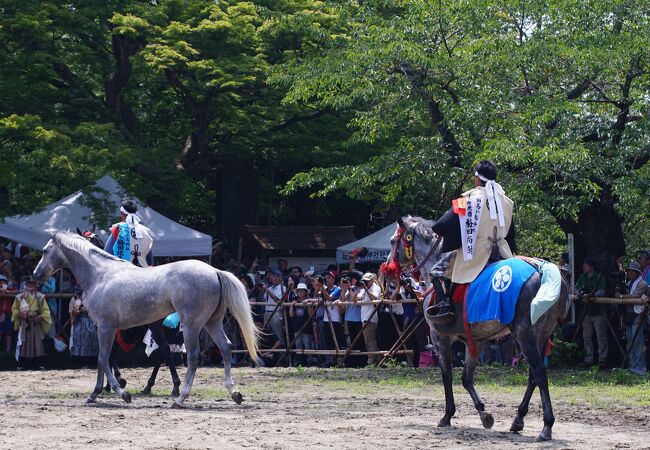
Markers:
(548, 293)
(235, 298)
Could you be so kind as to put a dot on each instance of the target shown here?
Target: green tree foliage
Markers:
(554, 91)
(384, 102)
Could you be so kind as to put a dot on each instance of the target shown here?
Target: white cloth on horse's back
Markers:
(549, 291)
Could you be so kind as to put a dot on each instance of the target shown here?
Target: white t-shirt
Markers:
(278, 291)
(334, 312)
(368, 309)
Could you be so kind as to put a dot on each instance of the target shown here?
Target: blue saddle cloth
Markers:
(493, 294)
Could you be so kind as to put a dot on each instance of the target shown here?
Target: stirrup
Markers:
(441, 314)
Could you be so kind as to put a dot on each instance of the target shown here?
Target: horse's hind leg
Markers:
(191, 335)
(215, 328)
(468, 384)
(536, 363)
(522, 410)
(106, 335)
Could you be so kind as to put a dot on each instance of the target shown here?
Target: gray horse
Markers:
(120, 295)
(532, 339)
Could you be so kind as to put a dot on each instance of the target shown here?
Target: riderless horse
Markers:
(158, 333)
(416, 235)
(121, 295)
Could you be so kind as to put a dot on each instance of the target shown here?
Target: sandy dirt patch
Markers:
(285, 408)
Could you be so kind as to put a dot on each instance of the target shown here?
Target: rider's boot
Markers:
(441, 312)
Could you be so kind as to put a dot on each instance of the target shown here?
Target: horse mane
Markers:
(423, 227)
(82, 246)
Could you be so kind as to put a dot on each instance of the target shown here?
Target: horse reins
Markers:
(432, 250)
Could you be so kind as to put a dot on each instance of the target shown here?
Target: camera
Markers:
(360, 284)
(321, 280)
(585, 293)
(405, 281)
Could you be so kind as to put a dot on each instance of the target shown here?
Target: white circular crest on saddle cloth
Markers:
(502, 279)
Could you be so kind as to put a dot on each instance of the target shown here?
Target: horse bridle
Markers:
(408, 236)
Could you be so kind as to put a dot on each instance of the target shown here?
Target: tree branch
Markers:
(299, 118)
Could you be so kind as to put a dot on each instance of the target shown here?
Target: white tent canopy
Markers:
(170, 238)
(378, 245)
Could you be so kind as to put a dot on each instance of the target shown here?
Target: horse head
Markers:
(91, 237)
(412, 243)
(52, 260)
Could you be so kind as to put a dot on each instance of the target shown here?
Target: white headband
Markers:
(132, 220)
(494, 192)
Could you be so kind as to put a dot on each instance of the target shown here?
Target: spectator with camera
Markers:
(592, 284)
(635, 319)
(325, 288)
(369, 293)
(350, 284)
(274, 295)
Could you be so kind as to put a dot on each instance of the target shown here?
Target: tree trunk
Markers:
(123, 48)
(598, 232)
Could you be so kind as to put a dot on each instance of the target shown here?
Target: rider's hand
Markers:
(37, 318)
(22, 315)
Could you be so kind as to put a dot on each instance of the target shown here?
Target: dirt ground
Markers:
(289, 408)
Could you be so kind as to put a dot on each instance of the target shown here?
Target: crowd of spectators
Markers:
(330, 310)
(324, 312)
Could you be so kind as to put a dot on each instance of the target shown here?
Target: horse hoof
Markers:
(107, 388)
(237, 397)
(122, 382)
(517, 425)
(90, 401)
(177, 406)
(126, 397)
(175, 392)
(487, 420)
(444, 422)
(146, 390)
(545, 435)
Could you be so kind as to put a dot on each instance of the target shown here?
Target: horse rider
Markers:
(129, 237)
(477, 230)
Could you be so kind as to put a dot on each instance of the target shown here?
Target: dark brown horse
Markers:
(532, 338)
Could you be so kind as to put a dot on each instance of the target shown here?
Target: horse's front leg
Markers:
(112, 362)
(106, 336)
(468, 384)
(522, 410)
(444, 352)
(152, 378)
(92, 398)
(165, 354)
